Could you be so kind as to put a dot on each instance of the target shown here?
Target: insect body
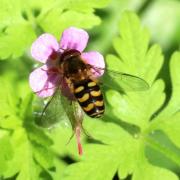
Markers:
(72, 82)
(90, 98)
(85, 89)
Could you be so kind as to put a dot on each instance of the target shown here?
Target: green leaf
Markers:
(26, 149)
(25, 166)
(60, 166)
(146, 171)
(8, 100)
(152, 18)
(130, 109)
(171, 126)
(10, 122)
(135, 58)
(6, 153)
(119, 151)
(100, 156)
(110, 15)
(38, 135)
(70, 13)
(168, 119)
(12, 107)
(174, 103)
(16, 40)
(43, 156)
(132, 49)
(160, 142)
(10, 13)
(29, 144)
(22, 20)
(26, 107)
(23, 161)
(114, 148)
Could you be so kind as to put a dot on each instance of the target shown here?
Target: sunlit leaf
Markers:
(114, 148)
(22, 20)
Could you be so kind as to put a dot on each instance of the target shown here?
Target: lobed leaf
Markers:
(115, 149)
(6, 153)
(43, 156)
(22, 20)
(168, 119)
(135, 58)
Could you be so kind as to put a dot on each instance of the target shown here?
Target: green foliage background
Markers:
(139, 136)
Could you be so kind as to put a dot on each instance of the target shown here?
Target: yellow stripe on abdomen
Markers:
(99, 103)
(79, 89)
(95, 93)
(91, 84)
(84, 98)
(89, 107)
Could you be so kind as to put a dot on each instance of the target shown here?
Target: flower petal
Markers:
(42, 82)
(95, 59)
(43, 47)
(74, 38)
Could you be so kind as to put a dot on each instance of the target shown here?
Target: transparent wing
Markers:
(126, 82)
(122, 81)
(52, 110)
(58, 109)
(74, 112)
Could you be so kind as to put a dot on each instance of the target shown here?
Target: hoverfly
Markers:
(85, 89)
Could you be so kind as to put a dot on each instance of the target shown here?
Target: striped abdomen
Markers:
(89, 97)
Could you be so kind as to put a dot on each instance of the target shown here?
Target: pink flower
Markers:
(47, 78)
(45, 49)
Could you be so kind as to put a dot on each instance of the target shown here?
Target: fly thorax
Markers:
(74, 67)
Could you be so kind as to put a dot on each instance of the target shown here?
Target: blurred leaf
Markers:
(164, 32)
(69, 13)
(61, 136)
(15, 40)
(60, 166)
(21, 20)
(43, 156)
(27, 168)
(12, 108)
(29, 144)
(102, 34)
(10, 122)
(8, 100)
(6, 153)
(26, 107)
(38, 135)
